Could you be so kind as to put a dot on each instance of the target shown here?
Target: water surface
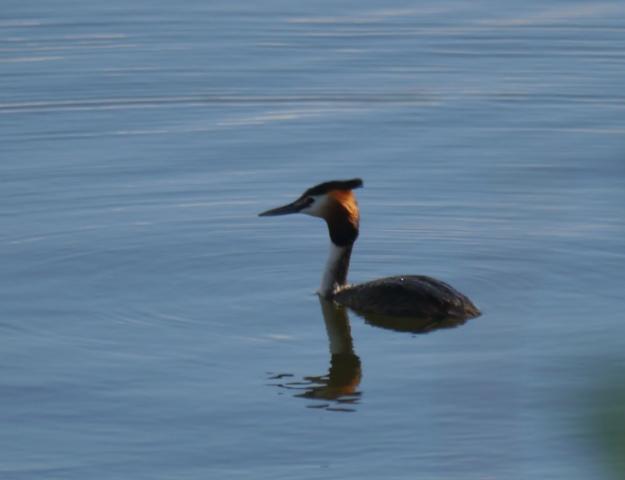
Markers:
(151, 321)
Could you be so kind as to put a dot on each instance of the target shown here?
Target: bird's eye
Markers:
(305, 202)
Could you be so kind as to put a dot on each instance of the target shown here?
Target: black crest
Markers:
(326, 187)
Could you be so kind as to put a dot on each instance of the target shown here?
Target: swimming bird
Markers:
(416, 296)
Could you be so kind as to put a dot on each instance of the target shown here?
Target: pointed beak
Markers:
(294, 207)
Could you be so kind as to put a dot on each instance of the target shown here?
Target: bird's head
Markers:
(333, 201)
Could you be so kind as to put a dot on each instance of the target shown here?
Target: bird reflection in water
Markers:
(340, 385)
(338, 389)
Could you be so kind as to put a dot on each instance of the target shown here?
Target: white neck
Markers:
(335, 274)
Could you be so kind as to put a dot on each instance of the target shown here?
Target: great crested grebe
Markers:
(403, 296)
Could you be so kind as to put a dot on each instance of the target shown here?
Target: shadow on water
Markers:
(415, 325)
(338, 389)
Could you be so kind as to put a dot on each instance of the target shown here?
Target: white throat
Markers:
(335, 273)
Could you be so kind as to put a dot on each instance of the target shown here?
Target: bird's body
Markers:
(407, 296)
(414, 296)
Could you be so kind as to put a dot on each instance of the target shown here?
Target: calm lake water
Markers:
(153, 327)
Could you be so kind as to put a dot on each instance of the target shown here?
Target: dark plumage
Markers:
(327, 187)
(407, 296)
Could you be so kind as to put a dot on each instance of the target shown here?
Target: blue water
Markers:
(153, 327)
